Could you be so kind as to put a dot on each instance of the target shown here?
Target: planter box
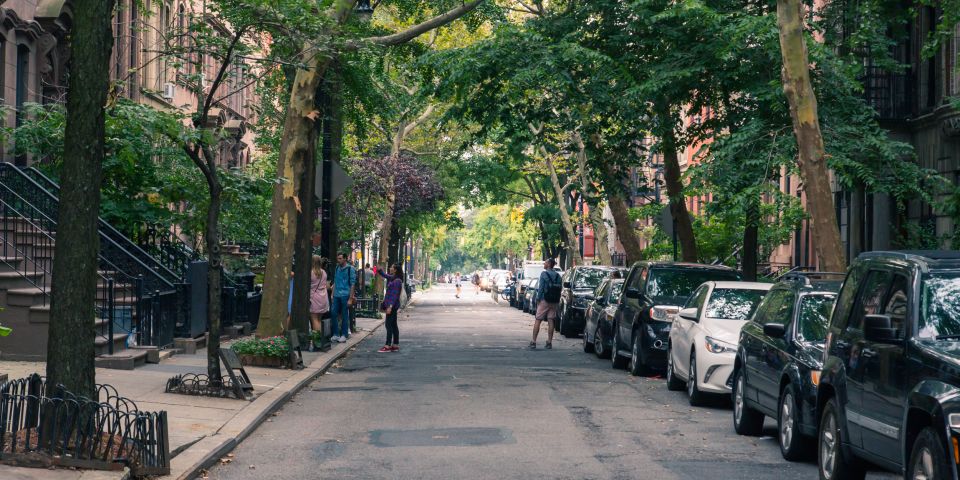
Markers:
(258, 361)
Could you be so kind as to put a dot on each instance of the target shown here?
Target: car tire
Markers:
(793, 445)
(637, 364)
(694, 394)
(832, 461)
(928, 457)
(616, 360)
(599, 346)
(746, 421)
(674, 384)
(587, 344)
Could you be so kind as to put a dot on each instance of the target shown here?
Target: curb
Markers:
(203, 454)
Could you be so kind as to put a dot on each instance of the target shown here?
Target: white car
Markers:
(705, 334)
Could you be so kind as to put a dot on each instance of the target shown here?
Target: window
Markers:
(847, 296)
(616, 289)
(895, 305)
(814, 318)
(675, 285)
(777, 307)
(697, 299)
(589, 278)
(601, 290)
(734, 303)
(871, 297)
(939, 306)
(22, 90)
(639, 275)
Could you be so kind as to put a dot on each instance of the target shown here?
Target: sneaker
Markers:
(395, 348)
(343, 339)
(384, 349)
(548, 346)
(532, 346)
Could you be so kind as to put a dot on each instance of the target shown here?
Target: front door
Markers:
(884, 377)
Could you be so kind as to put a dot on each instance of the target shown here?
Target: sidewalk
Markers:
(202, 429)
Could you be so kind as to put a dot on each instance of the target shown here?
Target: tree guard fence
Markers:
(64, 429)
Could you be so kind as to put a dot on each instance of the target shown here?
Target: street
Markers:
(464, 398)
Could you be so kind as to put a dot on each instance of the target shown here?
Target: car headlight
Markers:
(718, 346)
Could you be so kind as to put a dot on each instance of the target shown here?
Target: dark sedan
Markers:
(779, 360)
(578, 284)
(530, 297)
(599, 315)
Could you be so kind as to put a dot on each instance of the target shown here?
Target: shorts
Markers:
(546, 311)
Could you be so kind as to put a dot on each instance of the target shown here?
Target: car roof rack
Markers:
(807, 277)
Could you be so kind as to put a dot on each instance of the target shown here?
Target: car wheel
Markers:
(616, 360)
(832, 461)
(587, 341)
(673, 383)
(792, 444)
(599, 347)
(694, 394)
(928, 459)
(746, 421)
(637, 365)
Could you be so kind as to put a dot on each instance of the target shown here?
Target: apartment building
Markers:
(34, 55)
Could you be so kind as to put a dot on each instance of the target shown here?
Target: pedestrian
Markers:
(457, 280)
(476, 283)
(390, 306)
(367, 280)
(344, 296)
(319, 293)
(548, 293)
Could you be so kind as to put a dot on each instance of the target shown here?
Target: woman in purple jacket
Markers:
(390, 305)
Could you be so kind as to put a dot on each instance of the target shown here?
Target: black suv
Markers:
(779, 359)
(889, 391)
(578, 284)
(652, 296)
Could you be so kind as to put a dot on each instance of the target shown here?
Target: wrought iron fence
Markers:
(367, 307)
(618, 259)
(69, 430)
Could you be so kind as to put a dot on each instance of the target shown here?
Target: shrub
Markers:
(277, 347)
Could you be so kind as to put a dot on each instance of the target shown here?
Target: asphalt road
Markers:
(465, 399)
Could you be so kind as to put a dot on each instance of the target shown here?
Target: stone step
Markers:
(101, 343)
(40, 314)
(125, 360)
(25, 297)
(11, 280)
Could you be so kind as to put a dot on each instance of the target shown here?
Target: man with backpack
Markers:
(548, 294)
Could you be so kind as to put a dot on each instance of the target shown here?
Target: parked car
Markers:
(652, 296)
(578, 283)
(520, 291)
(530, 297)
(704, 336)
(889, 392)
(599, 315)
(779, 360)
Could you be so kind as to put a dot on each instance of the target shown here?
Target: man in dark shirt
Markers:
(546, 306)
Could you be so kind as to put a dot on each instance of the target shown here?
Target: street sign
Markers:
(340, 181)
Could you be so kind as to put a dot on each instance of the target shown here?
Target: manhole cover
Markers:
(441, 437)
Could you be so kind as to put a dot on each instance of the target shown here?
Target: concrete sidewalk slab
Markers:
(201, 429)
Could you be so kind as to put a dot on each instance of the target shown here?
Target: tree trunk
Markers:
(595, 216)
(806, 127)
(751, 231)
(564, 214)
(214, 274)
(616, 200)
(303, 254)
(73, 288)
(678, 205)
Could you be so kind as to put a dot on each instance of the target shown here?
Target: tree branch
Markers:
(418, 29)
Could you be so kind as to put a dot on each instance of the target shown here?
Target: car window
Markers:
(848, 293)
(589, 278)
(870, 300)
(733, 303)
(601, 290)
(616, 288)
(697, 298)
(939, 305)
(636, 280)
(814, 317)
(784, 311)
(674, 283)
(895, 305)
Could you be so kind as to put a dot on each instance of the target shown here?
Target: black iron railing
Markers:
(889, 93)
(45, 193)
(618, 259)
(164, 245)
(68, 430)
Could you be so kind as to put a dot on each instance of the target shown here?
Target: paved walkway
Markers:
(200, 427)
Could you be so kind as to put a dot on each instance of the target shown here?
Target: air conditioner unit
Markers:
(168, 90)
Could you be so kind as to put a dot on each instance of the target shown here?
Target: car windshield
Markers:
(680, 283)
(940, 307)
(589, 278)
(733, 303)
(615, 289)
(814, 317)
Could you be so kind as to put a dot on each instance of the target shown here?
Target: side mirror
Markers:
(689, 314)
(876, 328)
(566, 284)
(632, 293)
(774, 330)
(590, 297)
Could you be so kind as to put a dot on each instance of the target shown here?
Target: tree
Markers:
(296, 145)
(73, 288)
